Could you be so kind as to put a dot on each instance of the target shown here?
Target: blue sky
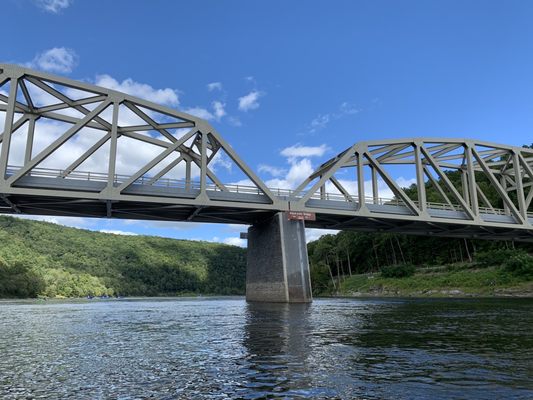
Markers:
(279, 78)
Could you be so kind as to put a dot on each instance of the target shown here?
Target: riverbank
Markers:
(458, 282)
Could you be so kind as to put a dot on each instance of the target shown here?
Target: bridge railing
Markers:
(235, 188)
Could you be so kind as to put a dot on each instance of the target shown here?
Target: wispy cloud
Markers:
(57, 59)
(321, 121)
(250, 79)
(53, 6)
(219, 109)
(274, 171)
(250, 101)
(214, 86)
(234, 121)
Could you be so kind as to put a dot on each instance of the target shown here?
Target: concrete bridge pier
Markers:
(278, 266)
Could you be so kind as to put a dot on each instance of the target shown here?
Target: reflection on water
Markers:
(225, 348)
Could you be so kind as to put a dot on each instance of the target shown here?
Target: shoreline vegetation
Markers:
(355, 264)
(45, 260)
(489, 282)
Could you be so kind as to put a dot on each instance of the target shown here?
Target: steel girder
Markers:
(341, 199)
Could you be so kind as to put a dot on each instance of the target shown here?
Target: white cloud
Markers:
(165, 96)
(53, 6)
(172, 225)
(304, 151)
(312, 234)
(250, 101)
(214, 86)
(200, 113)
(298, 171)
(117, 232)
(274, 171)
(405, 183)
(73, 222)
(219, 110)
(57, 59)
(384, 192)
(204, 113)
(235, 241)
(220, 161)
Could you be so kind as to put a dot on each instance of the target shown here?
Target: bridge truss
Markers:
(461, 188)
(65, 145)
(58, 178)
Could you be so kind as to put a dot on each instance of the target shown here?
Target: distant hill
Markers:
(45, 259)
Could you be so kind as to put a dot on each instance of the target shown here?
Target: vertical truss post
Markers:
(420, 179)
(113, 147)
(360, 181)
(322, 190)
(464, 186)
(29, 139)
(474, 205)
(203, 166)
(519, 186)
(503, 182)
(8, 125)
(188, 174)
(375, 191)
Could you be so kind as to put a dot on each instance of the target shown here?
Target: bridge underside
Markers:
(452, 223)
(140, 210)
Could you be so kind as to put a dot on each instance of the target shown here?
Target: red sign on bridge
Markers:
(301, 216)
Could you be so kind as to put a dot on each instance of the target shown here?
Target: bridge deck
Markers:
(173, 200)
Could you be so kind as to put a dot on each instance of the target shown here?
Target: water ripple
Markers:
(228, 349)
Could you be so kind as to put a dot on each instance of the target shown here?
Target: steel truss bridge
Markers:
(47, 119)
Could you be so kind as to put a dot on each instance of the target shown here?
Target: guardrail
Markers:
(234, 188)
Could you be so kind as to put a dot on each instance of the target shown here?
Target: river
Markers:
(219, 348)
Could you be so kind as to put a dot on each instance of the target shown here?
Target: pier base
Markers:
(278, 266)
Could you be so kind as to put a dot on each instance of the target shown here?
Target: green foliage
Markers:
(39, 258)
(364, 253)
(17, 279)
(320, 278)
(485, 281)
(520, 264)
(398, 271)
(494, 257)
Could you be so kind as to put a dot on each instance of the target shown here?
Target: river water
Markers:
(225, 348)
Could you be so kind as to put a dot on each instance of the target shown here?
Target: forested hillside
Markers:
(40, 258)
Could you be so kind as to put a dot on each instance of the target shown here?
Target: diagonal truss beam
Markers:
(57, 143)
(164, 154)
